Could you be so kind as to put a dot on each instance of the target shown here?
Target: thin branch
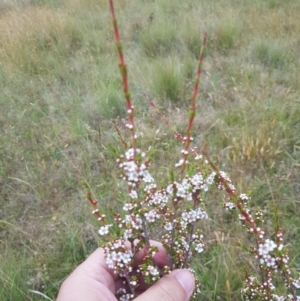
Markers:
(192, 111)
(124, 74)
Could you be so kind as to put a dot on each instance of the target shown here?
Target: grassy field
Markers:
(61, 90)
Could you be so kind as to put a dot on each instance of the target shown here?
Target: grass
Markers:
(60, 90)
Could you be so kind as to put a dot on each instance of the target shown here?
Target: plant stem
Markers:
(192, 111)
(123, 70)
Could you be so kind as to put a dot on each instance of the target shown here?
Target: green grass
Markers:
(269, 55)
(60, 90)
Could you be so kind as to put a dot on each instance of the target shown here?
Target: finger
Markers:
(177, 286)
(95, 265)
(160, 258)
(89, 280)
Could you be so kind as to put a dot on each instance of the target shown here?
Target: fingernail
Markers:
(187, 281)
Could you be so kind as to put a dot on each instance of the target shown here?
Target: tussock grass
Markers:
(60, 90)
(158, 39)
(271, 56)
(168, 80)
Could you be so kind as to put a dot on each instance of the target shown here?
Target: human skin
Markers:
(94, 281)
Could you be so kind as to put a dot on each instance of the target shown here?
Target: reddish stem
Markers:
(124, 74)
(192, 111)
(234, 197)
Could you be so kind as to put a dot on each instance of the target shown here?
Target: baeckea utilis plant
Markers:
(174, 213)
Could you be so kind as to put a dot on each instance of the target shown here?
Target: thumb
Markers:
(176, 286)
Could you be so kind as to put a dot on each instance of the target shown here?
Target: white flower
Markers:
(244, 197)
(267, 247)
(241, 217)
(127, 234)
(169, 189)
(183, 224)
(133, 194)
(201, 214)
(134, 221)
(199, 248)
(127, 206)
(130, 153)
(229, 206)
(185, 244)
(130, 168)
(231, 186)
(204, 187)
(127, 257)
(104, 230)
(179, 163)
(210, 179)
(185, 215)
(153, 270)
(151, 216)
(149, 187)
(225, 176)
(109, 261)
(168, 226)
(296, 283)
(181, 190)
(158, 198)
(147, 178)
(263, 250)
(193, 215)
(270, 244)
(117, 256)
(270, 261)
(197, 179)
(137, 223)
(118, 243)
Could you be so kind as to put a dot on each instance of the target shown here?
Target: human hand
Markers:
(94, 281)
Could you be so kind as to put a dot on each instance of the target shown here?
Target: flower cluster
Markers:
(255, 290)
(265, 253)
(174, 210)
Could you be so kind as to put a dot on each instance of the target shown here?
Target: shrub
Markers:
(176, 213)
